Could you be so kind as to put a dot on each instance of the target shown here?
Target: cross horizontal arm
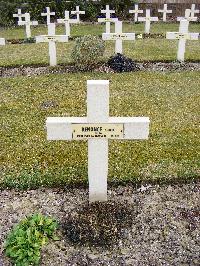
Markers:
(60, 128)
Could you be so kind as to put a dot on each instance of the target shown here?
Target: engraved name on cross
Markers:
(67, 21)
(165, 11)
(48, 14)
(77, 12)
(97, 128)
(52, 38)
(108, 18)
(148, 20)
(118, 37)
(136, 11)
(28, 23)
(183, 35)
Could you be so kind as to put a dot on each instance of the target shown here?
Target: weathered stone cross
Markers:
(108, 18)
(19, 15)
(48, 14)
(97, 128)
(165, 11)
(187, 16)
(183, 35)
(136, 11)
(2, 41)
(67, 21)
(77, 12)
(148, 20)
(193, 10)
(118, 37)
(52, 38)
(28, 23)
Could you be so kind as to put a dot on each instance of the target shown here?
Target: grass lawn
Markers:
(171, 101)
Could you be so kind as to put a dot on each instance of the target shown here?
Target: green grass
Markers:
(171, 101)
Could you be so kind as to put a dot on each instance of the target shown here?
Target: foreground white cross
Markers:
(77, 13)
(182, 36)
(48, 14)
(193, 10)
(187, 16)
(136, 11)
(67, 21)
(108, 18)
(28, 23)
(52, 38)
(97, 128)
(165, 11)
(148, 20)
(2, 41)
(118, 37)
(19, 15)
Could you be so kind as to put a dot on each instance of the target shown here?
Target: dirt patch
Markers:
(155, 225)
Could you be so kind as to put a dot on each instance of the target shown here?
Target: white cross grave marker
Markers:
(148, 20)
(2, 41)
(52, 38)
(182, 36)
(48, 14)
(19, 15)
(193, 10)
(187, 16)
(97, 128)
(165, 11)
(136, 11)
(108, 18)
(67, 21)
(118, 37)
(77, 12)
(28, 23)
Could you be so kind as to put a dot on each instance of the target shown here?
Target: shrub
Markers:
(87, 51)
(24, 243)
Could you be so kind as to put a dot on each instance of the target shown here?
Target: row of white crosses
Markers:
(98, 127)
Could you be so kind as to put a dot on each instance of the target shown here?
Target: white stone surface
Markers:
(136, 11)
(147, 20)
(67, 21)
(187, 16)
(52, 38)
(2, 41)
(165, 11)
(48, 14)
(77, 12)
(60, 128)
(28, 23)
(118, 37)
(183, 35)
(108, 19)
(19, 15)
(194, 10)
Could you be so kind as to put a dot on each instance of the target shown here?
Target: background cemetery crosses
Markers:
(48, 14)
(194, 10)
(118, 37)
(183, 35)
(165, 11)
(2, 41)
(77, 12)
(52, 38)
(136, 11)
(19, 15)
(147, 20)
(187, 16)
(61, 128)
(28, 23)
(67, 21)
(108, 19)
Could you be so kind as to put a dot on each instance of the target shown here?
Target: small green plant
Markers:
(87, 51)
(24, 242)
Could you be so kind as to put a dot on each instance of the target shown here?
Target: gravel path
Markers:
(148, 226)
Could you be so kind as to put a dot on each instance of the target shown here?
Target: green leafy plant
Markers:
(87, 51)
(24, 242)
